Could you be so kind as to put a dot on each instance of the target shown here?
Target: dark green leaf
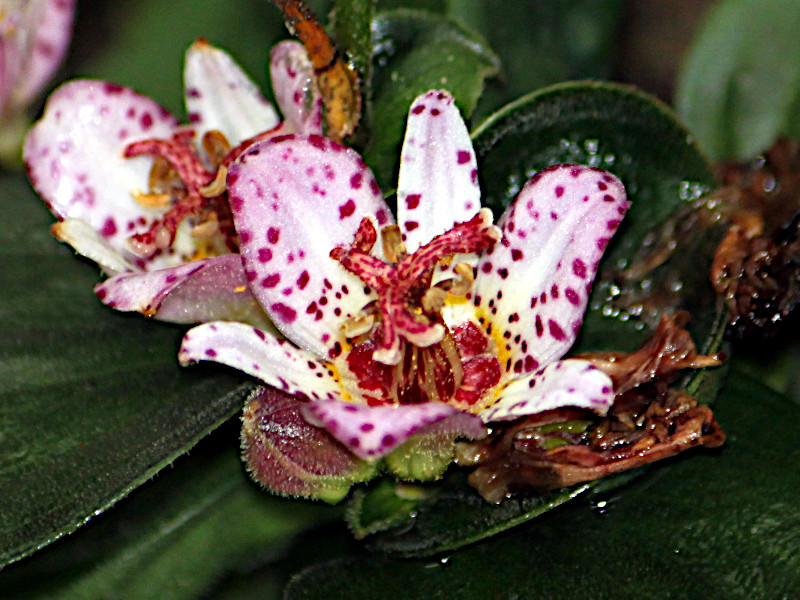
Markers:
(635, 137)
(416, 52)
(741, 84)
(92, 402)
(541, 42)
(716, 525)
(178, 535)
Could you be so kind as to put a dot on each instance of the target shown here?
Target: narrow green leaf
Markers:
(740, 87)
(178, 535)
(715, 525)
(416, 52)
(92, 402)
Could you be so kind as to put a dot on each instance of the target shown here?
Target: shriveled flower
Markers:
(442, 323)
(34, 35)
(145, 198)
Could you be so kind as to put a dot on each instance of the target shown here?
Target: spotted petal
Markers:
(88, 242)
(295, 88)
(220, 95)
(371, 432)
(199, 291)
(438, 180)
(75, 161)
(572, 382)
(294, 199)
(534, 285)
(275, 362)
(40, 38)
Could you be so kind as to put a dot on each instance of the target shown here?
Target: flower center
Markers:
(403, 352)
(188, 189)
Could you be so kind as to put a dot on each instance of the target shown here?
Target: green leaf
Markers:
(638, 139)
(180, 535)
(541, 42)
(740, 87)
(92, 402)
(715, 525)
(416, 52)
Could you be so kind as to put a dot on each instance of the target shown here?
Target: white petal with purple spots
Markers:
(571, 382)
(85, 240)
(75, 161)
(275, 362)
(533, 286)
(295, 88)
(294, 200)
(220, 95)
(438, 180)
(371, 432)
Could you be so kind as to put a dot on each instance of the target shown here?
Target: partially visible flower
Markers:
(442, 323)
(145, 198)
(34, 35)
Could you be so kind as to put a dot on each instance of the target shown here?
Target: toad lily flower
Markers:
(442, 322)
(171, 249)
(34, 35)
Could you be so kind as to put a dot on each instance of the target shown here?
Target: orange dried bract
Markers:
(337, 80)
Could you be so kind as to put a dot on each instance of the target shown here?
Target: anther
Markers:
(393, 246)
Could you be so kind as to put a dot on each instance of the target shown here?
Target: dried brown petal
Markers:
(668, 350)
(647, 422)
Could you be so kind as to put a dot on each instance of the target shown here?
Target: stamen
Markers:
(393, 246)
(216, 187)
(216, 147)
(433, 299)
(358, 325)
(207, 228)
(152, 200)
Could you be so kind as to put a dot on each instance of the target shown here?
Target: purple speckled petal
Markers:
(195, 292)
(86, 241)
(295, 88)
(570, 382)
(220, 95)
(438, 181)
(41, 33)
(371, 432)
(294, 200)
(534, 285)
(74, 156)
(275, 362)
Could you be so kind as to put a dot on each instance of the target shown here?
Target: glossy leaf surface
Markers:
(92, 403)
(716, 525)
